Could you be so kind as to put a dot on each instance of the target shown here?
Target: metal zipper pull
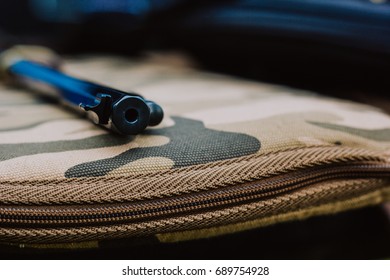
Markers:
(122, 112)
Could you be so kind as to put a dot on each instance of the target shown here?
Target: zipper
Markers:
(222, 197)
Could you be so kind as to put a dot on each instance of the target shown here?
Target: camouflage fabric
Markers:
(218, 131)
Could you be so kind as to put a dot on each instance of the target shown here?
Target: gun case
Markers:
(230, 155)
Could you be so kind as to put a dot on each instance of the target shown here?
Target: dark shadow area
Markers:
(358, 234)
(339, 48)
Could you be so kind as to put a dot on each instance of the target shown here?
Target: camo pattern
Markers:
(218, 132)
(208, 118)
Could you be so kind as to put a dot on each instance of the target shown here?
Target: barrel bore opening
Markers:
(131, 115)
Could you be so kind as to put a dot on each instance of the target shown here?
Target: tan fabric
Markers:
(218, 132)
(371, 198)
(42, 141)
(176, 181)
(334, 197)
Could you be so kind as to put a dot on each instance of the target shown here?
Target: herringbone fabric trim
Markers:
(325, 198)
(176, 181)
(372, 198)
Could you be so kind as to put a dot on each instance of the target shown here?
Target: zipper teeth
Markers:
(246, 192)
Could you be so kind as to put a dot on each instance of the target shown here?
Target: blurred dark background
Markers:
(325, 45)
(339, 48)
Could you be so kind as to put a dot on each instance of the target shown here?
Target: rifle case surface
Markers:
(230, 155)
